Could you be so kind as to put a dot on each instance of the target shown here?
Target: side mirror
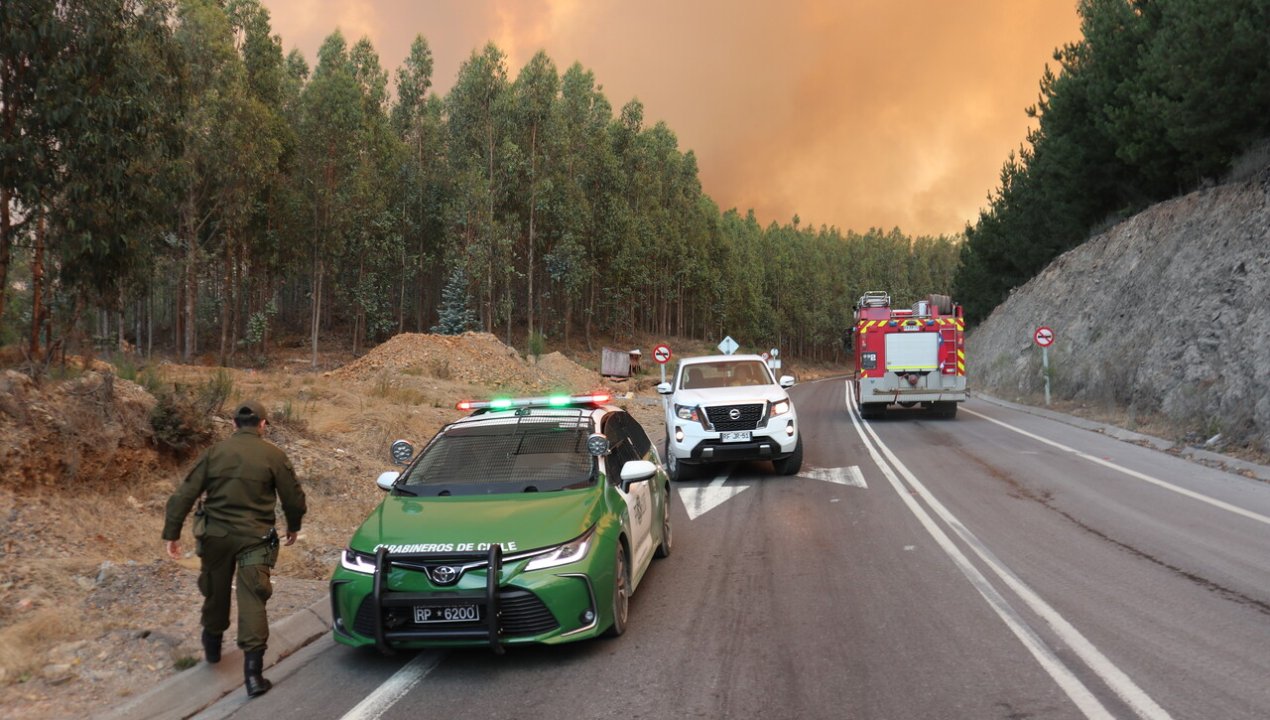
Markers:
(665, 388)
(386, 479)
(401, 452)
(787, 381)
(637, 471)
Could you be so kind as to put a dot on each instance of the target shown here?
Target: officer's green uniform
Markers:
(241, 477)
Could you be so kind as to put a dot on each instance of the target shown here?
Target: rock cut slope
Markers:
(1166, 314)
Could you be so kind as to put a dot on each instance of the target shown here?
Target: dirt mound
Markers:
(477, 358)
(94, 430)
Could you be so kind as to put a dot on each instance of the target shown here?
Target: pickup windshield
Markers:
(738, 373)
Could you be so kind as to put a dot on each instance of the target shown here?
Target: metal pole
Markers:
(1045, 368)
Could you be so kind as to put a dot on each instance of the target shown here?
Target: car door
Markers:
(638, 496)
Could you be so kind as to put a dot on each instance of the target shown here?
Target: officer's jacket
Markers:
(241, 476)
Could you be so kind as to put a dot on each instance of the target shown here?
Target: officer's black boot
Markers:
(253, 665)
(211, 647)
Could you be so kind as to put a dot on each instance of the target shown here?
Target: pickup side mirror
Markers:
(386, 479)
(665, 388)
(787, 381)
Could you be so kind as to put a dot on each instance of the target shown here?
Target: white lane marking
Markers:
(842, 475)
(1117, 680)
(395, 687)
(701, 499)
(1132, 473)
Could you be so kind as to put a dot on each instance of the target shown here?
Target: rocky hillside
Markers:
(1163, 316)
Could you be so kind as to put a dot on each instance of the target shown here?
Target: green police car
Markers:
(529, 521)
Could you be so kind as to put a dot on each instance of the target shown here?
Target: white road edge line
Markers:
(1132, 473)
(1120, 683)
(395, 687)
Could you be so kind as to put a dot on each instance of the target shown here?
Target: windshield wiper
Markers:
(403, 491)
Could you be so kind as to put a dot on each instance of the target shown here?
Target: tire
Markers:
(872, 411)
(950, 410)
(667, 534)
(792, 464)
(621, 594)
(675, 469)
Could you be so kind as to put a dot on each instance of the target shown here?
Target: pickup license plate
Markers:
(446, 613)
(735, 436)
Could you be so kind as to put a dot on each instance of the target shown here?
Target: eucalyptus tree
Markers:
(417, 119)
(86, 94)
(228, 154)
(585, 174)
(331, 122)
(477, 109)
(536, 109)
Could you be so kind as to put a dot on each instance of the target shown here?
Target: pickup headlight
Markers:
(688, 412)
(780, 408)
(563, 554)
(358, 562)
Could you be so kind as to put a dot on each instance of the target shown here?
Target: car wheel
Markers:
(621, 594)
(676, 469)
(667, 536)
(792, 464)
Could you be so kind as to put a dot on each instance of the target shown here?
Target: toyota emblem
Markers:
(445, 574)
(734, 414)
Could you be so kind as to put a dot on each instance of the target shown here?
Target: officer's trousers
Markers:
(252, 558)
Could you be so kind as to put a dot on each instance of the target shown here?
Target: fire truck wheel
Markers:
(872, 411)
(792, 464)
(945, 409)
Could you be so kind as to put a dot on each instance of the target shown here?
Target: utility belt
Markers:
(264, 552)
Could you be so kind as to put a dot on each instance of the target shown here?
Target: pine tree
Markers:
(454, 315)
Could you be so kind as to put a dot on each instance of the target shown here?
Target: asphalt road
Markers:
(1000, 565)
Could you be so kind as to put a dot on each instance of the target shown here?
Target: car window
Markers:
(621, 447)
(725, 373)
(501, 457)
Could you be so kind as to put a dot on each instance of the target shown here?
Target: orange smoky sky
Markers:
(847, 113)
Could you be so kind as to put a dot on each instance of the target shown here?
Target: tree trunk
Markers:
(37, 285)
(533, 196)
(227, 299)
(318, 271)
(6, 242)
(190, 280)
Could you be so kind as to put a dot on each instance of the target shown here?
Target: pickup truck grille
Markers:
(721, 417)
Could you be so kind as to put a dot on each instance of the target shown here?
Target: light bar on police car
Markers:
(546, 400)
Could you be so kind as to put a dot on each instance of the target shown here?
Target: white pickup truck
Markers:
(729, 407)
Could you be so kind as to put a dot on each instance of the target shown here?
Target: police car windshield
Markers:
(511, 455)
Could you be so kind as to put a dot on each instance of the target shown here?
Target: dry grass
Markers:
(25, 644)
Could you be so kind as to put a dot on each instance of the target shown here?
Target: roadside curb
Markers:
(1206, 458)
(190, 691)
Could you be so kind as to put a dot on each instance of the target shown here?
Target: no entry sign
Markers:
(1043, 336)
(661, 354)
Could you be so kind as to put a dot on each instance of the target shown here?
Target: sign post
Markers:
(1045, 337)
(661, 354)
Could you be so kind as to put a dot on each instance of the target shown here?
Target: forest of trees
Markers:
(173, 182)
(1157, 98)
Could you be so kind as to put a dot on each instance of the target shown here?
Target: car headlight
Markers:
(358, 562)
(563, 554)
(780, 408)
(687, 412)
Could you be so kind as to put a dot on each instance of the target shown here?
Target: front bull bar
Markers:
(384, 564)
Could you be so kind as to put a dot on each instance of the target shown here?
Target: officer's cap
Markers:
(251, 409)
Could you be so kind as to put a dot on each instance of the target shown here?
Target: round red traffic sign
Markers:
(1043, 336)
(661, 354)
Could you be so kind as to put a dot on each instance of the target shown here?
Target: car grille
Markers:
(721, 421)
(522, 613)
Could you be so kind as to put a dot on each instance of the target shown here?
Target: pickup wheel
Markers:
(677, 470)
(792, 464)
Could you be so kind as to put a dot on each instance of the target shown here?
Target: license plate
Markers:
(446, 613)
(736, 436)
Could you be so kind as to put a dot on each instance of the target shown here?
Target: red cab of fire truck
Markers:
(907, 356)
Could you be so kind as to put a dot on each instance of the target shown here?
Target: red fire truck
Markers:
(908, 356)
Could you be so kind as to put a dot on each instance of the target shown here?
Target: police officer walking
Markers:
(236, 483)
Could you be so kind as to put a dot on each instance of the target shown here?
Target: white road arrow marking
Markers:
(701, 499)
(850, 475)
